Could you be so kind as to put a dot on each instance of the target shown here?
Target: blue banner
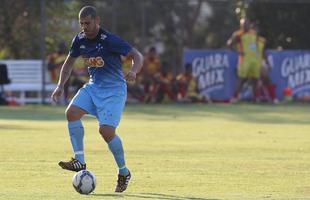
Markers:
(215, 71)
(290, 68)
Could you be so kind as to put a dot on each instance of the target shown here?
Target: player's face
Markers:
(90, 26)
(245, 24)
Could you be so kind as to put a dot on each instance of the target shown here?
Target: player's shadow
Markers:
(150, 196)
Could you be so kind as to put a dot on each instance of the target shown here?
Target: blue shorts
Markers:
(106, 104)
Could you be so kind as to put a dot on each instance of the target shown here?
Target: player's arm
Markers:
(232, 40)
(137, 64)
(63, 77)
(66, 71)
(265, 58)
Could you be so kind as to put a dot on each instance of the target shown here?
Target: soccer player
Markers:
(104, 95)
(245, 41)
(266, 82)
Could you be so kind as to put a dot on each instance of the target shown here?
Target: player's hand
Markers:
(131, 76)
(57, 93)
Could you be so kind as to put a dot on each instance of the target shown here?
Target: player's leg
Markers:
(80, 105)
(109, 113)
(241, 79)
(76, 131)
(255, 91)
(271, 88)
(254, 74)
(116, 147)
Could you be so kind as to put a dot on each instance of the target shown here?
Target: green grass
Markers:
(206, 152)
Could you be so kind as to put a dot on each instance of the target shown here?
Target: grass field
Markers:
(206, 152)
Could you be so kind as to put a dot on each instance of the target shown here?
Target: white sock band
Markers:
(79, 152)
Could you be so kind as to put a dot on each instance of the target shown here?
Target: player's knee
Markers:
(72, 114)
(107, 132)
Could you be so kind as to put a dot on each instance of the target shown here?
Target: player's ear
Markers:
(97, 20)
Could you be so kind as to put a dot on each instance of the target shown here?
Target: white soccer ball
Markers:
(84, 182)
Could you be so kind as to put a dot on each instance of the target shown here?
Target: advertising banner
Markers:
(215, 71)
(290, 68)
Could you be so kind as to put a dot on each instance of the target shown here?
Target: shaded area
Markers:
(151, 196)
(253, 113)
(263, 113)
(15, 127)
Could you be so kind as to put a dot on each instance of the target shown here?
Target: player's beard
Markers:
(91, 34)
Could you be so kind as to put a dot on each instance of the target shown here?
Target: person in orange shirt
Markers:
(166, 85)
(79, 74)
(54, 62)
(135, 89)
(151, 74)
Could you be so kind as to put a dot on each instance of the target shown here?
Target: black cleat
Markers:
(72, 165)
(122, 183)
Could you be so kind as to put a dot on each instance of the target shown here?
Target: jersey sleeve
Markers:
(118, 45)
(74, 49)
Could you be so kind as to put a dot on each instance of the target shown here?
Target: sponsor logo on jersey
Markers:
(103, 36)
(94, 62)
(82, 47)
(99, 47)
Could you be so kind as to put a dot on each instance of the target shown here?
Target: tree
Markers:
(20, 27)
(285, 25)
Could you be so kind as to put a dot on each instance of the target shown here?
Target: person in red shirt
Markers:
(151, 74)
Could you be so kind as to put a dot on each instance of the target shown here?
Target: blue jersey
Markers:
(102, 57)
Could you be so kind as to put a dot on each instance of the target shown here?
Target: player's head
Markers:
(152, 51)
(89, 21)
(62, 48)
(245, 23)
(188, 69)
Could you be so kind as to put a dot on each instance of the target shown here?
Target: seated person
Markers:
(134, 89)
(188, 87)
(151, 74)
(166, 87)
(78, 77)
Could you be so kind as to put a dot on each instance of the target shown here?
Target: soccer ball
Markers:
(84, 182)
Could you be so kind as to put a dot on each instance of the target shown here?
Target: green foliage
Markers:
(176, 24)
(21, 26)
(4, 53)
(285, 25)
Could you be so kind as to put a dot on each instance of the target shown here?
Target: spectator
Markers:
(79, 74)
(244, 41)
(151, 74)
(54, 63)
(166, 86)
(135, 89)
(78, 77)
(188, 87)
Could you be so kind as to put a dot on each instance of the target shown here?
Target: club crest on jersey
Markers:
(94, 61)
